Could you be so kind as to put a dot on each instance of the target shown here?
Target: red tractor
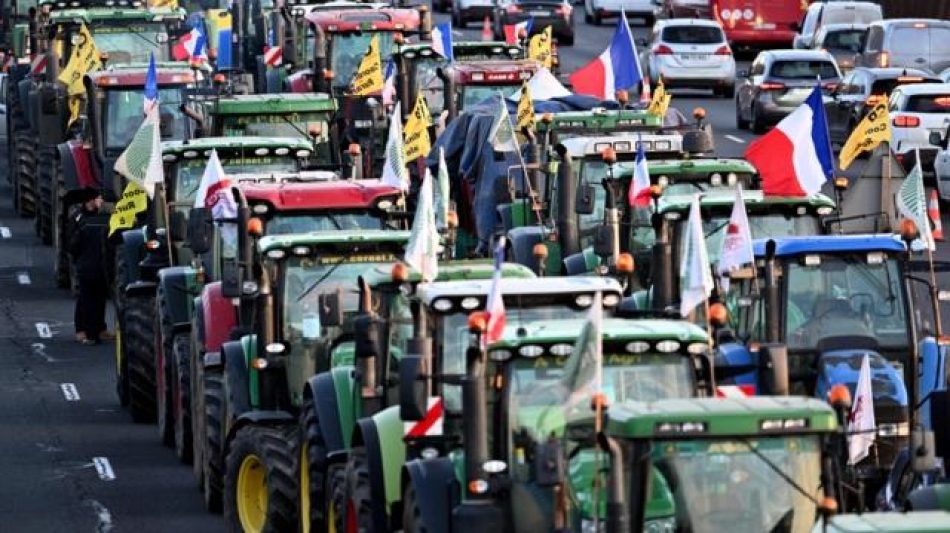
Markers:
(467, 84)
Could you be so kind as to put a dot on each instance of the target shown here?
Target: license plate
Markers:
(765, 26)
(695, 57)
(539, 13)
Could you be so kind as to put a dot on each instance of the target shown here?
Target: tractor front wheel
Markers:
(260, 480)
(317, 515)
(138, 339)
(412, 519)
(213, 427)
(359, 500)
(181, 396)
(164, 362)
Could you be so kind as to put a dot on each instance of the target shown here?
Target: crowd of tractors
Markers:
(314, 381)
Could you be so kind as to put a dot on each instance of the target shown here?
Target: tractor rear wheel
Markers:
(139, 342)
(181, 396)
(317, 514)
(412, 519)
(359, 499)
(25, 170)
(197, 406)
(214, 427)
(164, 361)
(261, 480)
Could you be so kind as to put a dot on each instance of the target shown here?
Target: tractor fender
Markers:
(67, 167)
(236, 378)
(381, 435)
(178, 286)
(432, 480)
(133, 250)
(933, 369)
(322, 389)
(522, 241)
(259, 418)
(213, 303)
(365, 435)
(140, 288)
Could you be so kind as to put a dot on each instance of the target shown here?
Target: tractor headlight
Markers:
(662, 525)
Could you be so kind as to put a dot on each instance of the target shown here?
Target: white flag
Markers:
(141, 161)
(442, 192)
(214, 192)
(861, 418)
(911, 201)
(502, 134)
(696, 283)
(737, 244)
(395, 172)
(422, 251)
(583, 374)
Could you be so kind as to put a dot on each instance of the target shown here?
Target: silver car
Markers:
(690, 53)
(842, 41)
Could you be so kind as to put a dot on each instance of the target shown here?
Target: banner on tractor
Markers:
(369, 77)
(133, 201)
(525, 110)
(416, 131)
(540, 49)
(83, 59)
(874, 128)
(660, 101)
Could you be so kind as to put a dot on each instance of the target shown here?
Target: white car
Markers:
(690, 53)
(595, 11)
(916, 112)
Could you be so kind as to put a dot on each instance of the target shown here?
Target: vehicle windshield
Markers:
(189, 171)
(286, 224)
(476, 94)
(847, 40)
(886, 85)
(762, 225)
(428, 82)
(349, 49)
(844, 295)
(291, 125)
(928, 103)
(132, 43)
(723, 485)
(305, 278)
(546, 393)
(124, 112)
(692, 35)
(804, 69)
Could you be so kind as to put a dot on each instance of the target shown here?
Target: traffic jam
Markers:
(475, 265)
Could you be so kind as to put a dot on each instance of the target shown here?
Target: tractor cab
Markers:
(466, 84)
(123, 34)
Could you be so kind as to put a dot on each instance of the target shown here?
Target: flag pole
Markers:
(524, 167)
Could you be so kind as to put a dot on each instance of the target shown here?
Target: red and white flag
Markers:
(496, 304)
(214, 192)
(737, 244)
(861, 425)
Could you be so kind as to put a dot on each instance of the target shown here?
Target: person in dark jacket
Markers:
(87, 246)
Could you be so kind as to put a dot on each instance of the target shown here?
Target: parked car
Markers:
(465, 11)
(699, 9)
(690, 53)
(942, 165)
(918, 43)
(842, 41)
(860, 90)
(917, 112)
(821, 14)
(595, 11)
(559, 14)
(778, 82)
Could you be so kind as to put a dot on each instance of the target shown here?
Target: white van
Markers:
(820, 14)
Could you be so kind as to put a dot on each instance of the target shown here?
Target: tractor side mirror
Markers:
(165, 123)
(604, 241)
(199, 230)
(232, 279)
(366, 332)
(331, 308)
(584, 204)
(413, 387)
(178, 226)
(549, 464)
(773, 367)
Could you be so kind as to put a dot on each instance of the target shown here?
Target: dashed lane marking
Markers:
(40, 349)
(103, 516)
(103, 468)
(23, 278)
(5, 232)
(42, 329)
(70, 392)
(735, 139)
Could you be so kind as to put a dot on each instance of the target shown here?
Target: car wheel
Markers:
(456, 19)
(587, 10)
(758, 124)
(597, 19)
(729, 91)
(741, 123)
(649, 20)
(567, 40)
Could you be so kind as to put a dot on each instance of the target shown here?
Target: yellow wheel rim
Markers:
(118, 350)
(252, 494)
(304, 490)
(331, 517)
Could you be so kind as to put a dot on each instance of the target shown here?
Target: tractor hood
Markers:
(843, 365)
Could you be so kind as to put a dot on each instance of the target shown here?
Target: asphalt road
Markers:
(70, 458)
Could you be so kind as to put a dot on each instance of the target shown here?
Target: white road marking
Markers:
(40, 349)
(23, 278)
(42, 329)
(103, 468)
(103, 516)
(5, 232)
(734, 139)
(70, 392)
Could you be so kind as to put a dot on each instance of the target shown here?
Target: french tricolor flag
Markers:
(150, 98)
(496, 304)
(442, 40)
(639, 193)
(615, 69)
(512, 30)
(191, 46)
(802, 139)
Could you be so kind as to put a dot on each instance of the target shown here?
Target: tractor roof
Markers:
(687, 167)
(694, 418)
(725, 197)
(615, 330)
(452, 271)
(299, 8)
(95, 14)
(365, 239)
(789, 246)
(201, 147)
(563, 286)
(624, 144)
(134, 76)
(913, 522)
(460, 49)
(319, 195)
(255, 104)
(356, 19)
(597, 119)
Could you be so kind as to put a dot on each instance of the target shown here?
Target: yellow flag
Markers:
(416, 131)
(660, 101)
(83, 59)
(369, 77)
(75, 104)
(525, 109)
(873, 128)
(133, 201)
(539, 48)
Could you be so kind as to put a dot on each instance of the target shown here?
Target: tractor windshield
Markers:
(132, 44)
(844, 295)
(348, 50)
(291, 125)
(188, 172)
(763, 224)
(475, 94)
(287, 223)
(743, 485)
(428, 83)
(124, 110)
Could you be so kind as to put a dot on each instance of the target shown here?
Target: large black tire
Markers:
(758, 124)
(335, 507)
(316, 448)
(122, 357)
(25, 192)
(359, 498)
(261, 461)
(164, 361)
(195, 359)
(139, 342)
(181, 396)
(47, 182)
(741, 123)
(412, 519)
(213, 483)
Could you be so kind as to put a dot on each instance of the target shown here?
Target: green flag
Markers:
(911, 201)
(141, 162)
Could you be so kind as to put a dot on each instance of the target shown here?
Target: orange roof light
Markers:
(452, 219)
(625, 263)
(839, 396)
(718, 314)
(540, 251)
(908, 229)
(609, 155)
(478, 321)
(354, 149)
(399, 273)
(699, 112)
(255, 227)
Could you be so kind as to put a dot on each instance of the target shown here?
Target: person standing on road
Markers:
(87, 247)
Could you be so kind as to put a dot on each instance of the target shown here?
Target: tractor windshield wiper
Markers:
(323, 278)
(775, 468)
